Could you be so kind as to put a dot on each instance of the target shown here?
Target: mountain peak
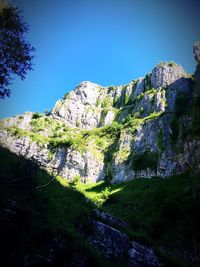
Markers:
(139, 125)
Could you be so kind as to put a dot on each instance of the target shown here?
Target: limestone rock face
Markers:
(151, 102)
(139, 87)
(22, 122)
(110, 241)
(66, 162)
(83, 107)
(196, 51)
(109, 118)
(25, 147)
(70, 163)
(165, 74)
(76, 110)
(155, 137)
(119, 163)
(141, 255)
(115, 244)
(141, 129)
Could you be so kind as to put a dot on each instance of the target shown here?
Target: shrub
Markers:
(160, 141)
(138, 98)
(116, 101)
(147, 82)
(126, 99)
(111, 88)
(36, 115)
(181, 104)
(50, 155)
(76, 143)
(66, 96)
(114, 129)
(127, 120)
(77, 123)
(98, 102)
(109, 173)
(141, 110)
(106, 103)
(76, 179)
(67, 142)
(171, 64)
(104, 112)
(145, 160)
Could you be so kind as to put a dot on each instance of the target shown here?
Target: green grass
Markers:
(35, 137)
(61, 201)
(163, 212)
(76, 142)
(57, 209)
(158, 208)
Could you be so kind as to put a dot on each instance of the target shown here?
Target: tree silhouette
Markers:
(16, 53)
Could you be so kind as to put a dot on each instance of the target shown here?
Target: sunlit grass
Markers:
(97, 193)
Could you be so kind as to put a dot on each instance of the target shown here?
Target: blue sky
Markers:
(106, 42)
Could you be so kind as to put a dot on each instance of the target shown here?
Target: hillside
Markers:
(69, 176)
(149, 127)
(47, 222)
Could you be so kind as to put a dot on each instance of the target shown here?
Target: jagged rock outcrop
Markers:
(82, 107)
(70, 163)
(22, 122)
(148, 127)
(114, 244)
(65, 162)
(196, 51)
(165, 74)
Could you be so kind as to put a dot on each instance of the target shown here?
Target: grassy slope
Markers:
(165, 212)
(160, 211)
(48, 212)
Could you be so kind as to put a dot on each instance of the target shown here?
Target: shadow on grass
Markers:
(34, 217)
(98, 188)
(164, 211)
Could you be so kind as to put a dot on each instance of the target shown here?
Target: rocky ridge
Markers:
(149, 127)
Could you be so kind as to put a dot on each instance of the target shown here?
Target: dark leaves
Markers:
(16, 53)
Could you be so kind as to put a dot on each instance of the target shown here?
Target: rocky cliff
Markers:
(149, 127)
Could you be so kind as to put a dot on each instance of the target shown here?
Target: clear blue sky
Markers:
(106, 42)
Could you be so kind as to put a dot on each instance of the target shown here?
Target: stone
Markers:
(110, 241)
(91, 106)
(109, 118)
(165, 74)
(139, 87)
(142, 256)
(109, 219)
(80, 108)
(21, 121)
(114, 244)
(196, 51)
